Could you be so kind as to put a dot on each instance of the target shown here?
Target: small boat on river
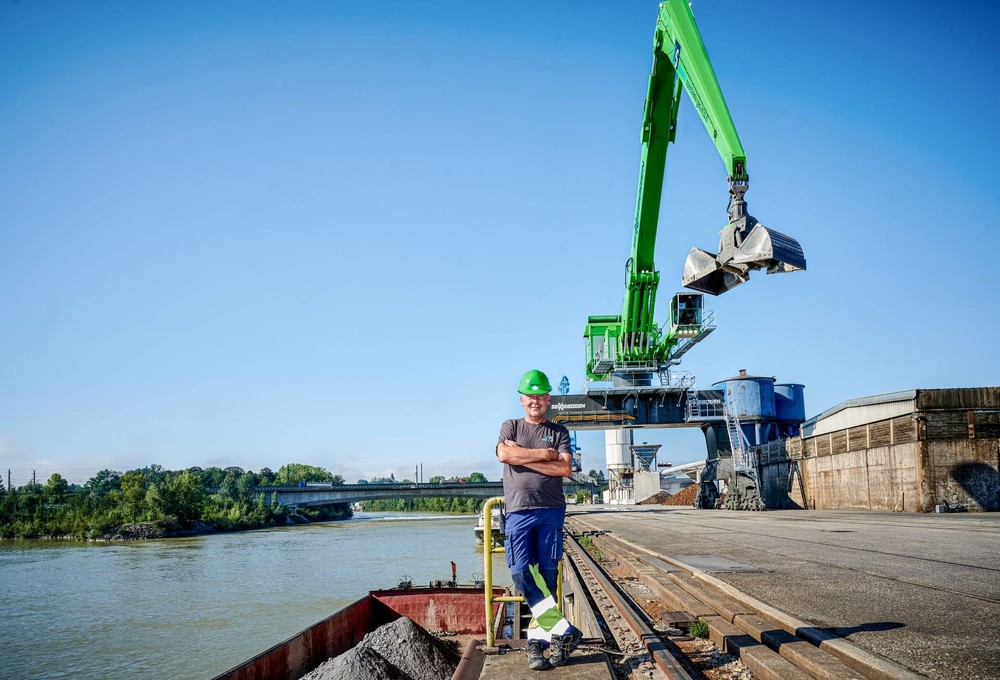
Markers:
(497, 521)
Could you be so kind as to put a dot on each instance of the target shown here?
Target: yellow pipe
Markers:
(488, 551)
(559, 581)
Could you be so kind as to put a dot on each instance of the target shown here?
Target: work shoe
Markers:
(536, 659)
(563, 645)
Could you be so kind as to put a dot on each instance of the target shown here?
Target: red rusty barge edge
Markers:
(455, 610)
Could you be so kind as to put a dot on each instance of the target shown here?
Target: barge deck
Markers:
(585, 664)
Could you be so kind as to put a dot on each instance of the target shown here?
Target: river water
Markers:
(194, 607)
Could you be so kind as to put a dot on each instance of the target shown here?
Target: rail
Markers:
(490, 549)
(629, 613)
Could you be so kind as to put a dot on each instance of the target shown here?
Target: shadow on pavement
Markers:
(877, 627)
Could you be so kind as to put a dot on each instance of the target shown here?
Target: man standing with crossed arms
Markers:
(536, 456)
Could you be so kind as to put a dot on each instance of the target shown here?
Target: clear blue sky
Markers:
(249, 233)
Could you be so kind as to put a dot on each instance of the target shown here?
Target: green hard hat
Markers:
(534, 382)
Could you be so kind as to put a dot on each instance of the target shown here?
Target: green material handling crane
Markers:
(633, 343)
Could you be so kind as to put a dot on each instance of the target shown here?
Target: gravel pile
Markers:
(400, 650)
(658, 498)
(685, 497)
(360, 663)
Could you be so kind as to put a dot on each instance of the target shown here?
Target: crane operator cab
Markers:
(685, 314)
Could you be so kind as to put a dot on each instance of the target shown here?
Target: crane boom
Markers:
(633, 341)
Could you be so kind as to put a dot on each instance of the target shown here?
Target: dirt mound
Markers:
(685, 497)
(400, 650)
(658, 498)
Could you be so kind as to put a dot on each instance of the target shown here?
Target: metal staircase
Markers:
(744, 485)
(743, 459)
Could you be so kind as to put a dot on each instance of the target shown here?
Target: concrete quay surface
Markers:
(920, 590)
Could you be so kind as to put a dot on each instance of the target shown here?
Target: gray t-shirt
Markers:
(523, 488)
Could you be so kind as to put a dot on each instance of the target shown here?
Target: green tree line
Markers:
(164, 502)
(451, 505)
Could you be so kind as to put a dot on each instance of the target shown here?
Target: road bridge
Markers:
(297, 496)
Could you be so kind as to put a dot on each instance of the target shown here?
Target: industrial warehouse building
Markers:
(915, 451)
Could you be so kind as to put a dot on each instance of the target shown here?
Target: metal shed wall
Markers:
(905, 451)
(959, 398)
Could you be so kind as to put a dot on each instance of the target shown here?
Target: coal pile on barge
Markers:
(400, 650)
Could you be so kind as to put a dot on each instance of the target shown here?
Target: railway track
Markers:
(639, 650)
(767, 650)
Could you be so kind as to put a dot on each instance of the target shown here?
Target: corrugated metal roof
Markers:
(861, 411)
(905, 395)
(892, 404)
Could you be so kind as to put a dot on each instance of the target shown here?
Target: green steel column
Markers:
(653, 159)
(676, 24)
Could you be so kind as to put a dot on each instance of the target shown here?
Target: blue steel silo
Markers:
(752, 399)
(790, 408)
(765, 412)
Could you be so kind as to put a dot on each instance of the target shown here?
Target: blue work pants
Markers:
(534, 537)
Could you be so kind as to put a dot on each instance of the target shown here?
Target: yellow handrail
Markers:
(488, 551)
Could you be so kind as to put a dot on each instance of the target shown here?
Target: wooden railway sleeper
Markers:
(736, 629)
(643, 640)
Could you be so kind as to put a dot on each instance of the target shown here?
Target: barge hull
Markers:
(453, 610)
